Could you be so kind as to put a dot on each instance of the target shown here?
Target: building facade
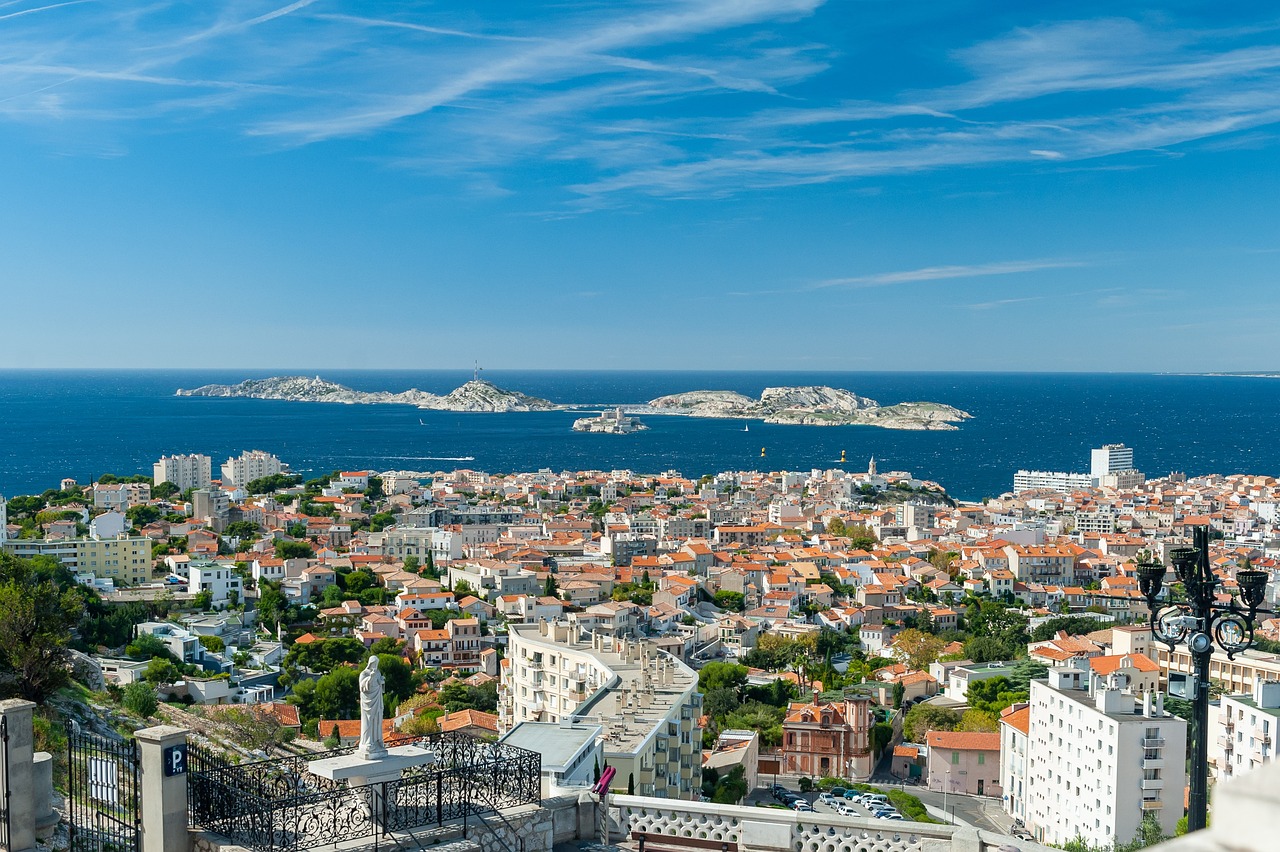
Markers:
(123, 559)
(185, 471)
(645, 701)
(1245, 733)
(828, 739)
(248, 466)
(1100, 760)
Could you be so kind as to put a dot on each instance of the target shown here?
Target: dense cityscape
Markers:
(704, 638)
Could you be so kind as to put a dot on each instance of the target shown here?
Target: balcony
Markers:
(1227, 743)
(1153, 763)
(1151, 804)
(1230, 725)
(1262, 736)
(1151, 783)
(1153, 742)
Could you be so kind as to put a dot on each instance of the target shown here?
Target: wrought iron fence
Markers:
(4, 801)
(102, 793)
(279, 806)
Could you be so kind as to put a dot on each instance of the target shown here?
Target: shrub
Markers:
(140, 698)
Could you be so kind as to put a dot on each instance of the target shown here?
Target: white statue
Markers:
(371, 680)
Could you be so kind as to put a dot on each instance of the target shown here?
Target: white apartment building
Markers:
(1110, 458)
(186, 471)
(646, 701)
(1100, 759)
(120, 495)
(400, 541)
(125, 560)
(4, 518)
(1246, 730)
(490, 579)
(1030, 480)
(248, 466)
(219, 579)
(1014, 746)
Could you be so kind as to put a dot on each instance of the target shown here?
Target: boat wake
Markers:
(430, 458)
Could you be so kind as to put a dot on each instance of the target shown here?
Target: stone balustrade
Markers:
(775, 830)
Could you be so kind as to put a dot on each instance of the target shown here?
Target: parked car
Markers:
(871, 800)
(802, 806)
(852, 795)
(838, 792)
(894, 815)
(1021, 833)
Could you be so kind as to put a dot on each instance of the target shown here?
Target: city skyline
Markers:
(1067, 187)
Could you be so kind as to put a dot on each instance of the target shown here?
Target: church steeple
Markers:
(871, 468)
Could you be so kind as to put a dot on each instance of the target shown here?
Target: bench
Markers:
(651, 842)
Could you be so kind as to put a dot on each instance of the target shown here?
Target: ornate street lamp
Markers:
(1199, 622)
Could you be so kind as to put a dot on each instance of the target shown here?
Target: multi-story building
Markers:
(1015, 725)
(1041, 563)
(828, 739)
(646, 701)
(456, 645)
(1246, 730)
(120, 495)
(401, 541)
(1033, 480)
(490, 579)
(185, 471)
(123, 559)
(1110, 458)
(219, 579)
(966, 762)
(248, 466)
(1101, 759)
(4, 518)
(211, 505)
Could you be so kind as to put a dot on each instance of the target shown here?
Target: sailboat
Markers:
(746, 427)
(420, 423)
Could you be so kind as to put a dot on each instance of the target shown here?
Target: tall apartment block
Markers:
(187, 471)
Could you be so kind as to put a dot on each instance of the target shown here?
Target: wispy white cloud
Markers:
(942, 273)
(667, 99)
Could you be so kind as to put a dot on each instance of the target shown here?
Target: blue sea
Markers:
(83, 424)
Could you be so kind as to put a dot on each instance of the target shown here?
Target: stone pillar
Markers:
(42, 781)
(164, 789)
(16, 773)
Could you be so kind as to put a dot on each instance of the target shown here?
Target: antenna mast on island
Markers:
(475, 374)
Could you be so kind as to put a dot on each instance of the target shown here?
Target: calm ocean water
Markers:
(83, 424)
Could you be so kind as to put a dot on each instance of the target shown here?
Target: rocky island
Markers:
(475, 395)
(611, 422)
(811, 406)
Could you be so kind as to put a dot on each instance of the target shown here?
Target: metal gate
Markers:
(4, 802)
(102, 793)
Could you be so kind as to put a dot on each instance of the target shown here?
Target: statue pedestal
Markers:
(370, 772)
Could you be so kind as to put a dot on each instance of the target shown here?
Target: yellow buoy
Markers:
(842, 456)
(762, 452)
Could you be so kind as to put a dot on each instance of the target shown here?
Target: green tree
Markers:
(1025, 671)
(722, 676)
(1074, 625)
(923, 718)
(272, 603)
(549, 587)
(147, 646)
(294, 550)
(39, 607)
(977, 720)
(986, 649)
(140, 699)
(164, 490)
(994, 694)
(732, 601)
(202, 600)
(160, 670)
(398, 677)
(337, 694)
(213, 644)
(143, 514)
(719, 703)
(919, 650)
(899, 692)
(411, 564)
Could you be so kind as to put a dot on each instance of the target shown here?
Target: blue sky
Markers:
(719, 184)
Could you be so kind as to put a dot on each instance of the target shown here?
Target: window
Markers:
(955, 758)
(982, 758)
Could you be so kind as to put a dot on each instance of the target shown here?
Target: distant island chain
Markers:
(815, 405)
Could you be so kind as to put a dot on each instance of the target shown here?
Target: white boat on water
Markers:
(746, 427)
